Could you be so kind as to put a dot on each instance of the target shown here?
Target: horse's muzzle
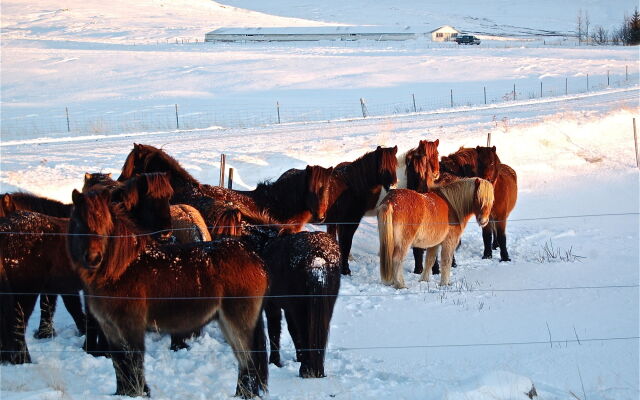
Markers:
(91, 261)
(483, 222)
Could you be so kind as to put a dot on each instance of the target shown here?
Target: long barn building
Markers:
(315, 33)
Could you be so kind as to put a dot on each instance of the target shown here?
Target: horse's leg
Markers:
(430, 258)
(74, 306)
(243, 328)
(127, 354)
(345, 238)
(95, 342)
(399, 252)
(495, 243)
(294, 329)
(486, 238)
(274, 327)
(446, 255)
(19, 353)
(418, 255)
(332, 229)
(501, 227)
(47, 309)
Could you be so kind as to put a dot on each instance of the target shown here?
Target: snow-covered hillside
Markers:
(569, 327)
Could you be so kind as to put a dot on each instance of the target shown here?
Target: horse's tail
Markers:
(385, 232)
(324, 285)
(259, 354)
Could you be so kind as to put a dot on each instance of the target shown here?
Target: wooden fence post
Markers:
(514, 92)
(540, 89)
(364, 108)
(278, 109)
(566, 86)
(230, 182)
(485, 94)
(451, 98)
(489, 139)
(587, 82)
(177, 121)
(222, 167)
(635, 139)
(414, 103)
(66, 110)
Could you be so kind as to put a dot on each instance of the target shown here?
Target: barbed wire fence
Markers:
(176, 117)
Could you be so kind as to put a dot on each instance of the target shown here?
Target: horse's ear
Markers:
(477, 148)
(395, 149)
(7, 203)
(135, 146)
(76, 197)
(87, 176)
(493, 149)
(109, 175)
(437, 142)
(308, 169)
(330, 170)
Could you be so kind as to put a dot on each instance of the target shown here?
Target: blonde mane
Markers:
(460, 196)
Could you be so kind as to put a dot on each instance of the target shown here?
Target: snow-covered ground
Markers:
(568, 327)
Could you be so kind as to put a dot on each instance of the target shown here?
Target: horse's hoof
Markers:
(276, 361)
(487, 256)
(307, 372)
(44, 333)
(505, 259)
(15, 358)
(346, 271)
(179, 346)
(417, 270)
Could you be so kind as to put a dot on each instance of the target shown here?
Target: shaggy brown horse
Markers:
(134, 283)
(422, 167)
(506, 192)
(9, 203)
(354, 189)
(429, 220)
(187, 226)
(32, 260)
(291, 201)
(304, 275)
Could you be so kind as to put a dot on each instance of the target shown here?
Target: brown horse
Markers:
(304, 276)
(422, 167)
(506, 191)
(291, 201)
(9, 203)
(134, 283)
(354, 189)
(33, 263)
(429, 220)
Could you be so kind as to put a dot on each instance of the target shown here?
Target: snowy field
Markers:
(569, 327)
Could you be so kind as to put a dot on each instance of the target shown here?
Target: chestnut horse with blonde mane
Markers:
(134, 283)
(429, 220)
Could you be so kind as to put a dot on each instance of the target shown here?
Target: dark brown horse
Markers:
(9, 203)
(33, 260)
(134, 283)
(422, 166)
(304, 275)
(290, 201)
(355, 188)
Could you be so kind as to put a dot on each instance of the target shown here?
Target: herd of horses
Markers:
(156, 249)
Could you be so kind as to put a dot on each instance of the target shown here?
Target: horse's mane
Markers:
(155, 185)
(460, 195)
(111, 219)
(150, 153)
(363, 171)
(418, 163)
(43, 205)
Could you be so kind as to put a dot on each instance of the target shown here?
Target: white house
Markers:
(444, 34)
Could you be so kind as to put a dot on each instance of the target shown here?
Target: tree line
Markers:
(628, 33)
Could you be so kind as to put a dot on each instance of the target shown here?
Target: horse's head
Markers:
(423, 167)
(387, 164)
(482, 201)
(488, 163)
(140, 160)
(146, 201)
(97, 178)
(6, 205)
(90, 225)
(317, 191)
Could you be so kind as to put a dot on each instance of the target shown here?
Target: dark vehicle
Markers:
(467, 39)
